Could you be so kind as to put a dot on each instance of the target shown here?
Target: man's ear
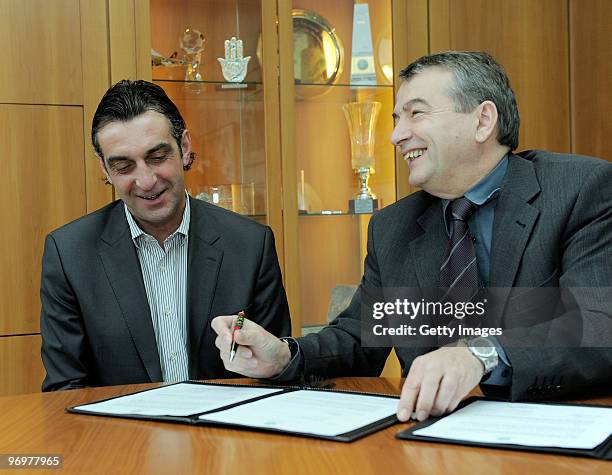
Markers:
(486, 113)
(104, 170)
(186, 148)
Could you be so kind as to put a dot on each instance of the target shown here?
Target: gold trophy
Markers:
(361, 119)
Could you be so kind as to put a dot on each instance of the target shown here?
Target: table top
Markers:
(37, 424)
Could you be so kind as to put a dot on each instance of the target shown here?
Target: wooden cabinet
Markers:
(44, 189)
(55, 69)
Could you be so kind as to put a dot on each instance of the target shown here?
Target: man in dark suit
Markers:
(537, 221)
(128, 291)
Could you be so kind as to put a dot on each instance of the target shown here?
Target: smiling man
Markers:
(485, 218)
(128, 292)
(448, 150)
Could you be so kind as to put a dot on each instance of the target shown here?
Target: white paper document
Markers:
(181, 399)
(320, 413)
(536, 425)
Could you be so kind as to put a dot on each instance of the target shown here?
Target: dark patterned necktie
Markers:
(459, 271)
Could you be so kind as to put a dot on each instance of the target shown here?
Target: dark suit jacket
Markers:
(95, 322)
(552, 227)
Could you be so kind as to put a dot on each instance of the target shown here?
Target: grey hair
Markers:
(478, 78)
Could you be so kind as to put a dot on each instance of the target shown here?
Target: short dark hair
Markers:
(478, 78)
(126, 100)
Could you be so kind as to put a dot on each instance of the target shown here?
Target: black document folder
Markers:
(195, 419)
(603, 451)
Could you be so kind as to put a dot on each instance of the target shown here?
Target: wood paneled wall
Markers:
(44, 188)
(55, 68)
(22, 371)
(591, 77)
(41, 52)
(530, 39)
(41, 132)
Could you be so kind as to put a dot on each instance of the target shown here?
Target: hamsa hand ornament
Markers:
(234, 65)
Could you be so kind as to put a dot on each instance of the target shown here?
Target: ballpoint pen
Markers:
(237, 326)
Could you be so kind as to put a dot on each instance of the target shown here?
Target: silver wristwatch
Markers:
(484, 349)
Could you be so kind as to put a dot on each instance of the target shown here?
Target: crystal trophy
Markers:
(362, 53)
(361, 119)
(234, 65)
(192, 43)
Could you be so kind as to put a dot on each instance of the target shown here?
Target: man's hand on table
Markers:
(438, 381)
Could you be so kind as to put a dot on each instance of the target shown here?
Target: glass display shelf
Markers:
(343, 84)
(331, 213)
(238, 207)
(212, 91)
(298, 84)
(205, 81)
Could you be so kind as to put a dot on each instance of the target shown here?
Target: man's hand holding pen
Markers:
(258, 353)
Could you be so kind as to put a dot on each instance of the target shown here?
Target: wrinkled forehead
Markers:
(135, 136)
(432, 84)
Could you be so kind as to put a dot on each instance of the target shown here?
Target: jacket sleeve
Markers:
(64, 344)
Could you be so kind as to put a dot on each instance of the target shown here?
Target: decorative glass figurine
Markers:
(234, 65)
(192, 43)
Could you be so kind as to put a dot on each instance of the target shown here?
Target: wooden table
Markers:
(37, 424)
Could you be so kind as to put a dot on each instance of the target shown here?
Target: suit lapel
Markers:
(122, 267)
(514, 220)
(427, 249)
(204, 263)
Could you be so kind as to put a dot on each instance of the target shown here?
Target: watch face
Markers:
(485, 351)
(482, 347)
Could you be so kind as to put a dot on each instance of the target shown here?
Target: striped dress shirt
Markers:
(164, 271)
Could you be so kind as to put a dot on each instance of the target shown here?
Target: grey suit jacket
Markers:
(95, 321)
(552, 227)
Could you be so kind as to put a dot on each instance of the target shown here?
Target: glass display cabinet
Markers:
(226, 119)
(302, 142)
(341, 110)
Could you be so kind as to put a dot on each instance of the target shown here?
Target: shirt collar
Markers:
(485, 190)
(487, 187)
(138, 233)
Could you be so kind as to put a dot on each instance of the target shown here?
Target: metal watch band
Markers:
(490, 361)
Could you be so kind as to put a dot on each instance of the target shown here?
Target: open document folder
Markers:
(328, 414)
(571, 429)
